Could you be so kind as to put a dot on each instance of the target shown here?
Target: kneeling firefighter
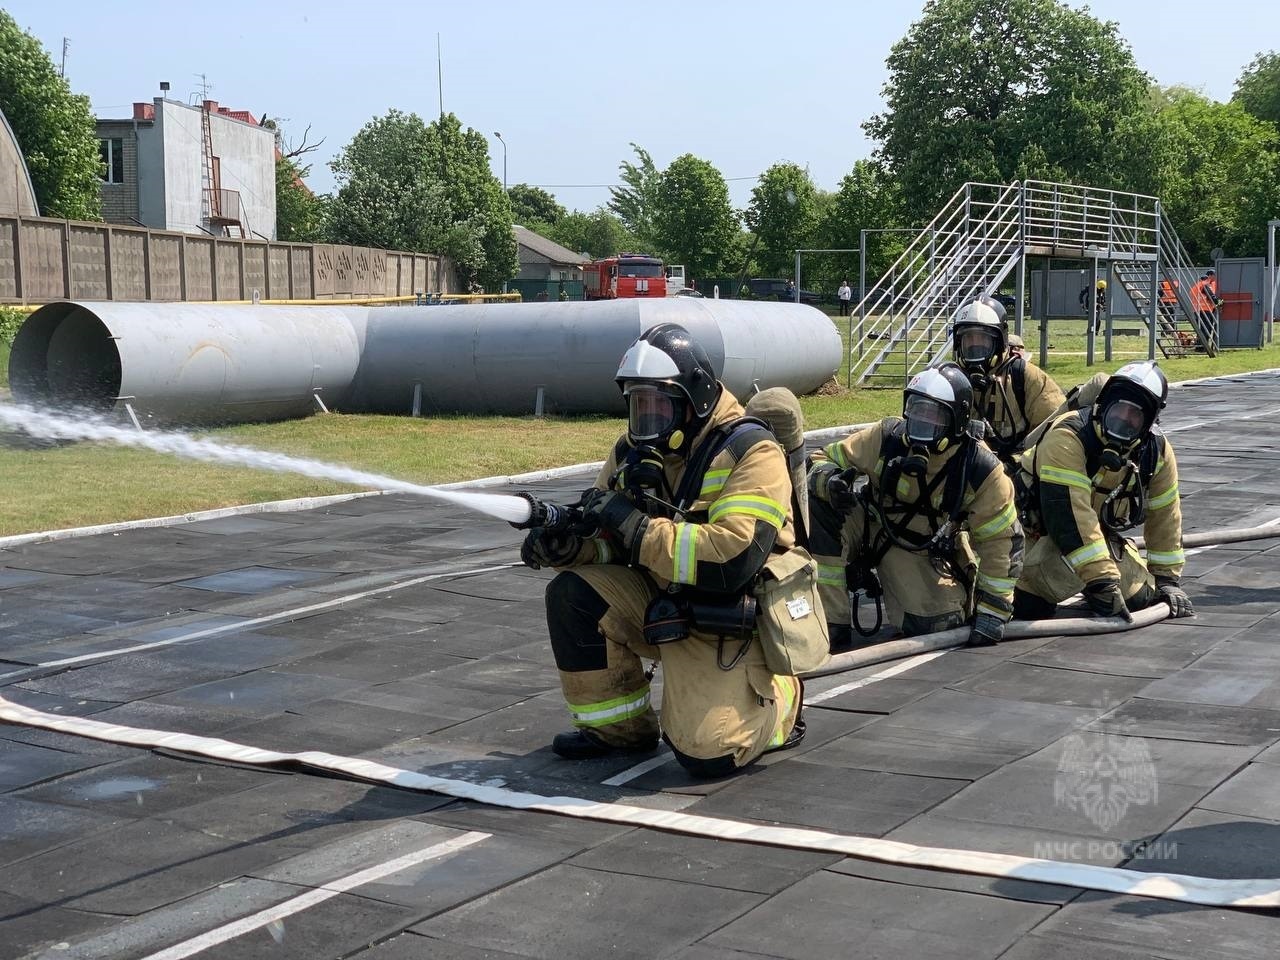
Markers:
(934, 527)
(1010, 393)
(1096, 473)
(688, 516)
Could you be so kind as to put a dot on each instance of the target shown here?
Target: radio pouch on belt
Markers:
(791, 623)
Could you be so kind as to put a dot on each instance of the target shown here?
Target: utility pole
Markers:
(440, 76)
(66, 45)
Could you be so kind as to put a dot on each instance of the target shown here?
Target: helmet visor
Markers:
(1124, 421)
(651, 412)
(975, 346)
(928, 420)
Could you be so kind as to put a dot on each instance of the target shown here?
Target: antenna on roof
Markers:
(440, 76)
(205, 87)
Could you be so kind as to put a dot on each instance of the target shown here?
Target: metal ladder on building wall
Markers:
(902, 325)
(208, 188)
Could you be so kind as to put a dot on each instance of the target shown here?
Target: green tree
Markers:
(1224, 181)
(868, 199)
(532, 206)
(387, 196)
(1258, 89)
(407, 185)
(54, 127)
(783, 216)
(477, 199)
(634, 202)
(692, 219)
(299, 212)
(988, 92)
(598, 234)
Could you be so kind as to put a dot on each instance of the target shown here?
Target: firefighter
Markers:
(1205, 300)
(1011, 394)
(934, 526)
(1096, 473)
(1094, 303)
(626, 594)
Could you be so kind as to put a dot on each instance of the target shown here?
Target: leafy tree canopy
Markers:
(634, 203)
(783, 215)
(299, 212)
(989, 92)
(693, 221)
(407, 185)
(533, 206)
(54, 127)
(868, 199)
(597, 234)
(1258, 89)
(1222, 183)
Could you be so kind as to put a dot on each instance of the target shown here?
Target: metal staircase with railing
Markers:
(983, 233)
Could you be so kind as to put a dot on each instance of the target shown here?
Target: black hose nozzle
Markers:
(551, 516)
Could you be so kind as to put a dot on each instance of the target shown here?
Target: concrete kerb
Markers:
(822, 436)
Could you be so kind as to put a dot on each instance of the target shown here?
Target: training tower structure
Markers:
(985, 233)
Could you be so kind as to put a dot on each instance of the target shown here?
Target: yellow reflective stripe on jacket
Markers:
(1164, 499)
(753, 506)
(1166, 559)
(996, 584)
(831, 574)
(1087, 554)
(835, 454)
(713, 482)
(1070, 478)
(788, 698)
(684, 557)
(610, 711)
(998, 524)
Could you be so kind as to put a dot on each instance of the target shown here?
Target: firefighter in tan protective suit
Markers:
(655, 580)
(1095, 473)
(935, 519)
(1010, 393)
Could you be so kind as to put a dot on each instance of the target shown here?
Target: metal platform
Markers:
(396, 629)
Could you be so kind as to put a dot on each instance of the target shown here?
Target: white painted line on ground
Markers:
(291, 614)
(639, 770)
(1204, 423)
(229, 931)
(901, 666)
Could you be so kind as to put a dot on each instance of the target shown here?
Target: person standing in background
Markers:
(845, 295)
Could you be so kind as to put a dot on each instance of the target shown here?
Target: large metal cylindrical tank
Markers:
(494, 358)
(195, 363)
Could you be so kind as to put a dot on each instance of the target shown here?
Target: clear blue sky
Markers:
(740, 83)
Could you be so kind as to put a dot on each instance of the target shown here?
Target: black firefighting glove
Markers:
(832, 485)
(618, 518)
(987, 630)
(548, 548)
(1105, 599)
(1177, 599)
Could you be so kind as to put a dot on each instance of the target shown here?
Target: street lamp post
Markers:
(504, 160)
(504, 179)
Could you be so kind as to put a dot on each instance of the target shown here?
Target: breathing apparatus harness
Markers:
(893, 516)
(672, 614)
(1009, 373)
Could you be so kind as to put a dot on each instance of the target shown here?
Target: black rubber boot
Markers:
(1027, 606)
(582, 744)
(841, 637)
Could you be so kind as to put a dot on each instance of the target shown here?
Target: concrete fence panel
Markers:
(128, 249)
(166, 267)
(254, 270)
(230, 278)
(278, 274)
(197, 261)
(88, 262)
(9, 265)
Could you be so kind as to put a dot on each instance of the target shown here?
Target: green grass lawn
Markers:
(82, 484)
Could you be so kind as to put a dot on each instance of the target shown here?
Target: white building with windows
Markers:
(161, 170)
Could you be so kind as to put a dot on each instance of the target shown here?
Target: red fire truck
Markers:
(626, 275)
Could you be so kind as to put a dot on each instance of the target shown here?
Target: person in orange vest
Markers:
(1205, 300)
(1169, 293)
